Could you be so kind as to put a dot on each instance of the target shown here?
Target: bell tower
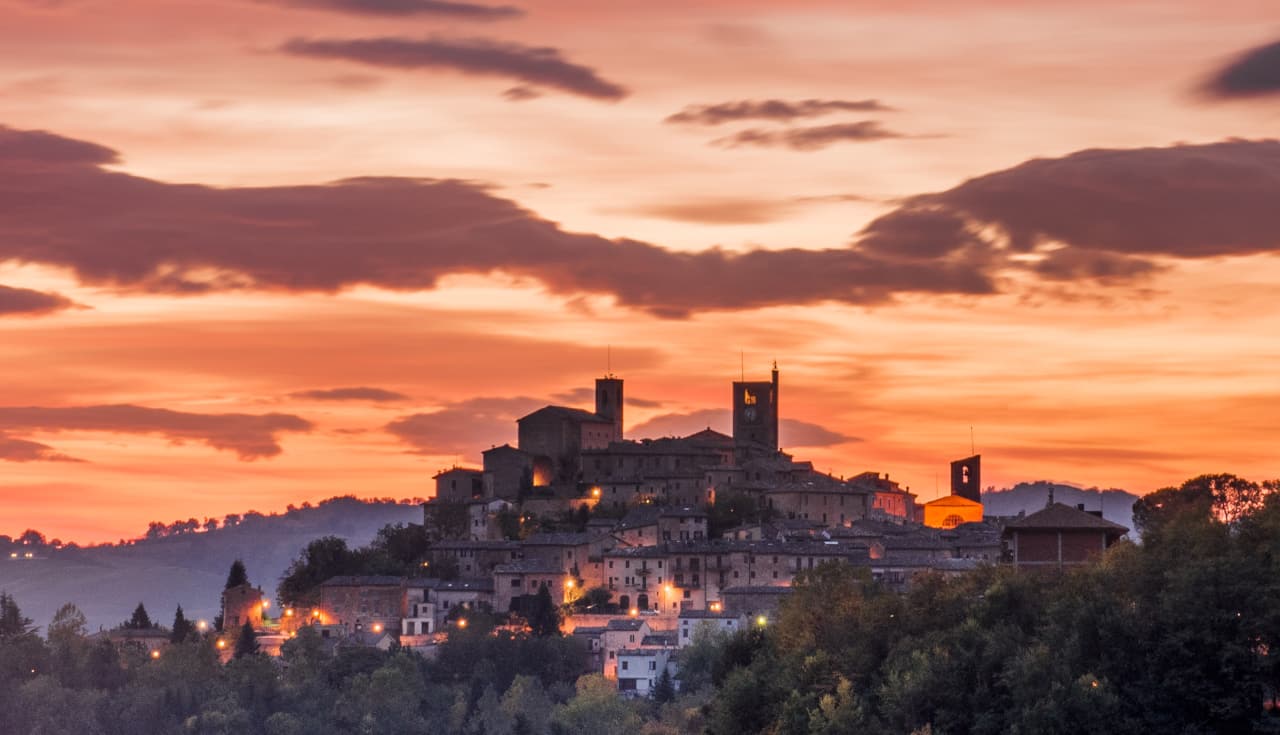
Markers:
(755, 413)
(609, 402)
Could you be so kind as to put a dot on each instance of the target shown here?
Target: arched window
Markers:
(952, 521)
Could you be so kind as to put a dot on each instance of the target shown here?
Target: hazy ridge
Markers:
(107, 582)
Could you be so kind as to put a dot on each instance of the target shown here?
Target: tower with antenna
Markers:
(609, 397)
(755, 413)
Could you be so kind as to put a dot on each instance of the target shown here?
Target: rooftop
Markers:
(564, 412)
(1059, 516)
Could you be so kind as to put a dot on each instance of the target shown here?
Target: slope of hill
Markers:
(107, 582)
(1028, 497)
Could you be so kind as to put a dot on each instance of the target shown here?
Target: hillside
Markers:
(1028, 497)
(107, 582)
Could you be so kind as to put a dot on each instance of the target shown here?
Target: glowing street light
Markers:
(155, 654)
(288, 612)
(462, 622)
(634, 612)
(568, 584)
(202, 625)
(716, 607)
(221, 643)
(761, 621)
(377, 627)
(595, 492)
(266, 604)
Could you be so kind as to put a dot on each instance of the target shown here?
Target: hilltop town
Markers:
(635, 545)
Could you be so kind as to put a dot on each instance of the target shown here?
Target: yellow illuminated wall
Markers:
(951, 511)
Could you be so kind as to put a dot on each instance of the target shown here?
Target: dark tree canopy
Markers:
(543, 616)
(237, 576)
(140, 620)
(182, 628)
(246, 641)
(12, 623)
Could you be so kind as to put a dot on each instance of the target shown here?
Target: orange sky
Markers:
(1103, 319)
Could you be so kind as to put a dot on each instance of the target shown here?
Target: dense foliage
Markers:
(1173, 635)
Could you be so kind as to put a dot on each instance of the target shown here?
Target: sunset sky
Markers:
(261, 252)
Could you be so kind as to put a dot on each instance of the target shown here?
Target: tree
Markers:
(237, 576)
(527, 704)
(12, 623)
(595, 708)
(544, 618)
(68, 624)
(140, 620)
(246, 641)
(664, 690)
(182, 628)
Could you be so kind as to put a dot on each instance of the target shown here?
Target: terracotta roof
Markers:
(1059, 516)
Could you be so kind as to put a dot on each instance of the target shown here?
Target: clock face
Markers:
(749, 413)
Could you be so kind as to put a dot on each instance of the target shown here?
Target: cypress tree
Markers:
(237, 575)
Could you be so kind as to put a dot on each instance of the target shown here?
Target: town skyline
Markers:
(268, 252)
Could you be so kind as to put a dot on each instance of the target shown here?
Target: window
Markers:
(653, 665)
(624, 665)
(515, 583)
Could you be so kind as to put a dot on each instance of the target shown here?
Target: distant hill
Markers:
(107, 582)
(1028, 497)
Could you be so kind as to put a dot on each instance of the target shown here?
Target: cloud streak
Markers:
(22, 450)
(402, 8)
(1255, 73)
(536, 66)
(362, 393)
(464, 427)
(26, 302)
(774, 110)
(809, 138)
(249, 436)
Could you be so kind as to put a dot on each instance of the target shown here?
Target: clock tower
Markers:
(755, 413)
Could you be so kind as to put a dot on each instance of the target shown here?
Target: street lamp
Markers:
(761, 620)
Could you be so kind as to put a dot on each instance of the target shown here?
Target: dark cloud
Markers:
(533, 65)
(24, 301)
(794, 433)
(36, 147)
(21, 450)
(249, 436)
(442, 8)
(1126, 208)
(1254, 73)
(577, 396)
(464, 427)
(810, 138)
(351, 394)
(133, 233)
(1185, 201)
(776, 110)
